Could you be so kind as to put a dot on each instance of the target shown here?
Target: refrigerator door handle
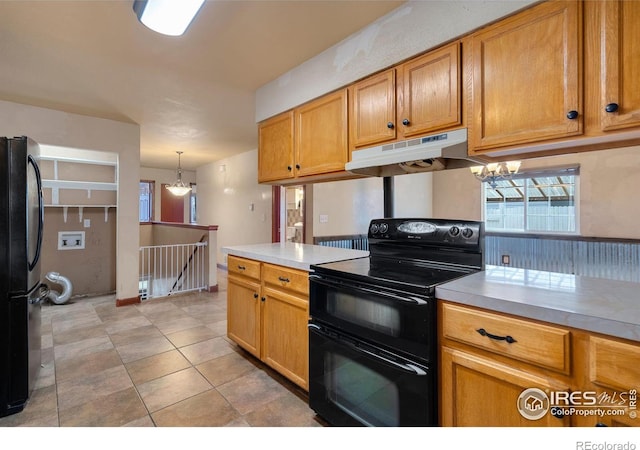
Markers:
(33, 263)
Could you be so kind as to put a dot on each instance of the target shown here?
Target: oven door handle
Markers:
(415, 300)
(407, 367)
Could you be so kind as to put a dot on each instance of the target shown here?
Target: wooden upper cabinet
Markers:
(321, 135)
(275, 144)
(620, 56)
(372, 110)
(527, 78)
(429, 92)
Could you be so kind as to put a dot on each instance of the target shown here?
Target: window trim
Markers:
(565, 170)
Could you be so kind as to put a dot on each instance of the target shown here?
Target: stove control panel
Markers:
(429, 231)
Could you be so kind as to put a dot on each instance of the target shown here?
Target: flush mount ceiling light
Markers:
(493, 172)
(170, 17)
(179, 188)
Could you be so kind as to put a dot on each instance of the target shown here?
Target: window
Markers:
(193, 218)
(534, 201)
(146, 200)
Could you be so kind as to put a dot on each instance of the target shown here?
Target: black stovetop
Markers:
(414, 254)
(415, 277)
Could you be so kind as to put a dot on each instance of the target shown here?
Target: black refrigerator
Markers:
(21, 291)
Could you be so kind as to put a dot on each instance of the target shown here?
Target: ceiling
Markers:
(193, 93)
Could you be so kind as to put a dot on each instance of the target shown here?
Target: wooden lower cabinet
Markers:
(478, 392)
(612, 377)
(285, 334)
(490, 372)
(243, 313)
(267, 315)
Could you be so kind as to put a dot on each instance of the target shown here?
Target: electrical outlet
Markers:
(506, 260)
(70, 240)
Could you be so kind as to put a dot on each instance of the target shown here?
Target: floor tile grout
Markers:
(72, 334)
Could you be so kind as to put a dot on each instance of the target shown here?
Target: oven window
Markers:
(365, 312)
(361, 392)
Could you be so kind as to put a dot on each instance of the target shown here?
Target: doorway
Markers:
(171, 206)
(294, 214)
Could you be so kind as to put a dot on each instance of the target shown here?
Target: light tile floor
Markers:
(165, 362)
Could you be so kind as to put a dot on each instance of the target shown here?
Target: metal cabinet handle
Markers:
(242, 268)
(255, 295)
(284, 280)
(484, 332)
(406, 122)
(390, 125)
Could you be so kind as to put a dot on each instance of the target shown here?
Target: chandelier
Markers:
(179, 188)
(494, 172)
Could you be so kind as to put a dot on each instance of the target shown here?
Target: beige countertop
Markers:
(297, 256)
(593, 304)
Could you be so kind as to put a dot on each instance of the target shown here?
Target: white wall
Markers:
(351, 204)
(62, 129)
(609, 183)
(407, 31)
(225, 198)
(169, 177)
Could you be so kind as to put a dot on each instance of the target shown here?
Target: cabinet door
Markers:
(479, 392)
(614, 379)
(621, 64)
(321, 135)
(526, 77)
(243, 313)
(285, 335)
(429, 92)
(372, 110)
(275, 148)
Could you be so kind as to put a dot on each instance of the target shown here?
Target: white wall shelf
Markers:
(65, 210)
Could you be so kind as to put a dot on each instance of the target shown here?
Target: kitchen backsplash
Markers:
(616, 260)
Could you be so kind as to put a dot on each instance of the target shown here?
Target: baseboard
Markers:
(127, 301)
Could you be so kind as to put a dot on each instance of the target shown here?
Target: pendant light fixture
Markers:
(179, 188)
(170, 17)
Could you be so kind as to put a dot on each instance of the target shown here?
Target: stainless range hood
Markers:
(447, 150)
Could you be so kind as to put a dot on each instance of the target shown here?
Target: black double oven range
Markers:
(372, 333)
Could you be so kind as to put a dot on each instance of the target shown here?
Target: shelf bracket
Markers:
(80, 211)
(64, 213)
(106, 214)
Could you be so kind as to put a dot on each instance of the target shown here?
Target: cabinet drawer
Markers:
(241, 266)
(537, 344)
(614, 364)
(295, 280)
